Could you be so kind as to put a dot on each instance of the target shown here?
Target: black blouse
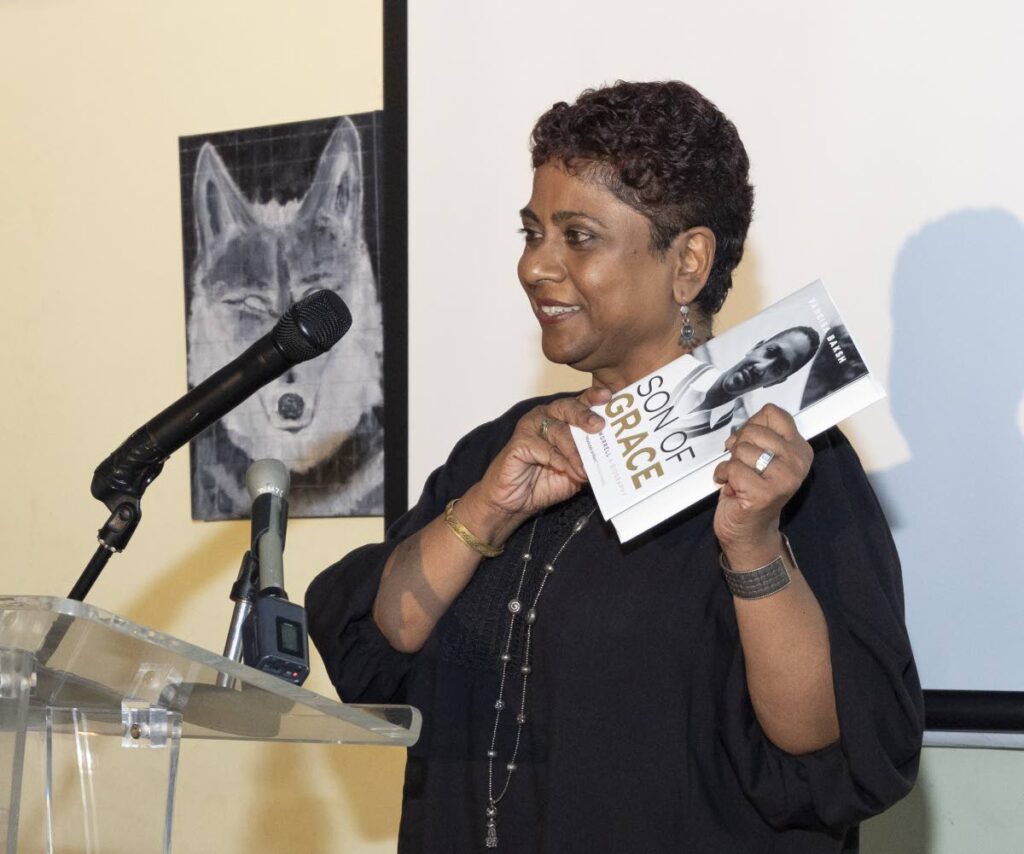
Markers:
(640, 734)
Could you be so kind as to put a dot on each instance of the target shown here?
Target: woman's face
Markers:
(604, 301)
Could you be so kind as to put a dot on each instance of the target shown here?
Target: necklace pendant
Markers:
(492, 834)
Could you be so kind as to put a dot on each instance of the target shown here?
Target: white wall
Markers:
(884, 140)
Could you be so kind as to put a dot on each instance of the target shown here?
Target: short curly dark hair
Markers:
(669, 153)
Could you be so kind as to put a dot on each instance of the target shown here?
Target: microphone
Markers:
(309, 328)
(268, 482)
(274, 630)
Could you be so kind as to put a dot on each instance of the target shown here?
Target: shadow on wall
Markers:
(955, 388)
(956, 383)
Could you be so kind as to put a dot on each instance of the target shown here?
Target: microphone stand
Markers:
(243, 591)
(113, 537)
(119, 482)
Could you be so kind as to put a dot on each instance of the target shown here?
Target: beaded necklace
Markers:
(515, 608)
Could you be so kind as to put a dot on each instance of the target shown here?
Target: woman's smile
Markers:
(603, 299)
(550, 311)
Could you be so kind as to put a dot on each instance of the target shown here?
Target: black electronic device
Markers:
(274, 638)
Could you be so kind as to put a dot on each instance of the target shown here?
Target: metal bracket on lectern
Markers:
(145, 726)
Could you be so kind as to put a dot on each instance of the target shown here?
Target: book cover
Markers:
(665, 434)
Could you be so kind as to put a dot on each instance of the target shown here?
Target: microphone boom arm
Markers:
(308, 329)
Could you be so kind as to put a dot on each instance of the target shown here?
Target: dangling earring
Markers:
(686, 333)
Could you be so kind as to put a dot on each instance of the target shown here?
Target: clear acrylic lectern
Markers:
(102, 705)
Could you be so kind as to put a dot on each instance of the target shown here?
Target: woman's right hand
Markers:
(539, 466)
(427, 571)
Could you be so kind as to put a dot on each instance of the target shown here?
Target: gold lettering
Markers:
(630, 442)
(650, 471)
(619, 404)
(626, 422)
(631, 463)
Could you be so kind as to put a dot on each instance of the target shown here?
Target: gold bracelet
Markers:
(467, 536)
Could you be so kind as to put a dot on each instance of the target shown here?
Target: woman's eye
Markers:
(576, 237)
(529, 235)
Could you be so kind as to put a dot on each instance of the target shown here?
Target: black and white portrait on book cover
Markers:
(269, 215)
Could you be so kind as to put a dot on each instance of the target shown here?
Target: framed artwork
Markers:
(270, 215)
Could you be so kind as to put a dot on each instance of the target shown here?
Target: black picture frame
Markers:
(273, 165)
(395, 261)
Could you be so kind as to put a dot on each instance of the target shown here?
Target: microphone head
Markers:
(267, 476)
(312, 326)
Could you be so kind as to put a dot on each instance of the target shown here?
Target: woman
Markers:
(581, 695)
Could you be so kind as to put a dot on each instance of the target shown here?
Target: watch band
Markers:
(764, 581)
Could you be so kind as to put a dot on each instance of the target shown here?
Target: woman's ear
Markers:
(694, 251)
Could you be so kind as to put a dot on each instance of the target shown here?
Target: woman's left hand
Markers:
(750, 502)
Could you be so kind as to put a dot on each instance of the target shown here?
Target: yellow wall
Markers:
(93, 96)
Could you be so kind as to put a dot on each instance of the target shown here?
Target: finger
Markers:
(540, 425)
(571, 410)
(762, 437)
(748, 454)
(594, 396)
(796, 451)
(740, 480)
(539, 452)
(779, 479)
(777, 419)
(560, 436)
(538, 422)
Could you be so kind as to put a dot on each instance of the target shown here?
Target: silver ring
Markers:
(764, 461)
(543, 429)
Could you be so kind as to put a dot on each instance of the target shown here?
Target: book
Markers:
(665, 434)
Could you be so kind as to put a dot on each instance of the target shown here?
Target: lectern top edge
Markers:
(86, 657)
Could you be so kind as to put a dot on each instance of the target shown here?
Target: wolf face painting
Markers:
(255, 252)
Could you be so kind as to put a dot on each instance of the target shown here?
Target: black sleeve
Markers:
(843, 546)
(363, 666)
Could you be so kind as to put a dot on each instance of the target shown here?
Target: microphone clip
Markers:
(132, 467)
(119, 482)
